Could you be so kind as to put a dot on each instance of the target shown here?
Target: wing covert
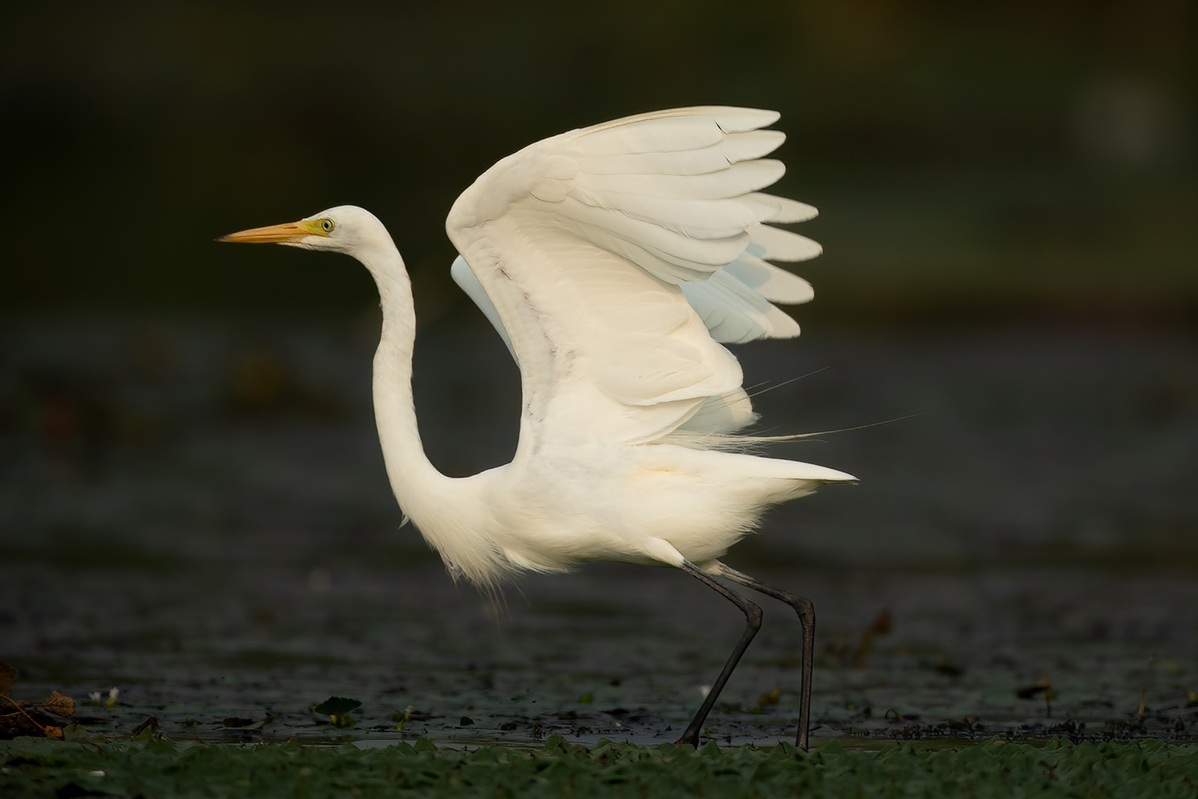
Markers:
(615, 259)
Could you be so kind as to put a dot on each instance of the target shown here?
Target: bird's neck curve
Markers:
(414, 479)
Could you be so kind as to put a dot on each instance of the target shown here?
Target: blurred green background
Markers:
(1010, 160)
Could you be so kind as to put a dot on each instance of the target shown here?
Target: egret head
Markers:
(346, 228)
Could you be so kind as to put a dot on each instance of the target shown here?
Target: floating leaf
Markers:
(236, 722)
(337, 706)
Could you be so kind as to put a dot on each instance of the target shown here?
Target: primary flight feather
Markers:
(615, 261)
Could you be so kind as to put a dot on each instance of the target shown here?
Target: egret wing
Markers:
(468, 282)
(615, 259)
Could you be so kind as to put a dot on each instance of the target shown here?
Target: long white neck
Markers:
(416, 482)
(449, 512)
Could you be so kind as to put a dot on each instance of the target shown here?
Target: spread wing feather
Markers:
(615, 260)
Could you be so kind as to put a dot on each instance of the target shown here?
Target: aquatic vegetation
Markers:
(164, 768)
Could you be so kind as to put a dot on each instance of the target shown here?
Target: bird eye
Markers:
(327, 225)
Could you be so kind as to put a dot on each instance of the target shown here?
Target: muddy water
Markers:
(196, 514)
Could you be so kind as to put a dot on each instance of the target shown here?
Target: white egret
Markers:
(615, 261)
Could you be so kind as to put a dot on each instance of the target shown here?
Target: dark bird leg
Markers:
(806, 611)
(753, 624)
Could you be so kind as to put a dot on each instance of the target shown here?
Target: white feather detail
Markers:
(616, 261)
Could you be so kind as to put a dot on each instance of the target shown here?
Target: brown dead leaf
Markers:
(18, 718)
(8, 676)
(881, 625)
(17, 721)
(59, 704)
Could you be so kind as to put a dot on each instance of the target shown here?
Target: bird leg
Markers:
(753, 624)
(806, 610)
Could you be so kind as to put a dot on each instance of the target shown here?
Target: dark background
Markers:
(1028, 158)
(190, 484)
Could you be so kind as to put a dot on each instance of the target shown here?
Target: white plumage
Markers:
(615, 261)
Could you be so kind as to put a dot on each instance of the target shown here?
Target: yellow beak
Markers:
(273, 234)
